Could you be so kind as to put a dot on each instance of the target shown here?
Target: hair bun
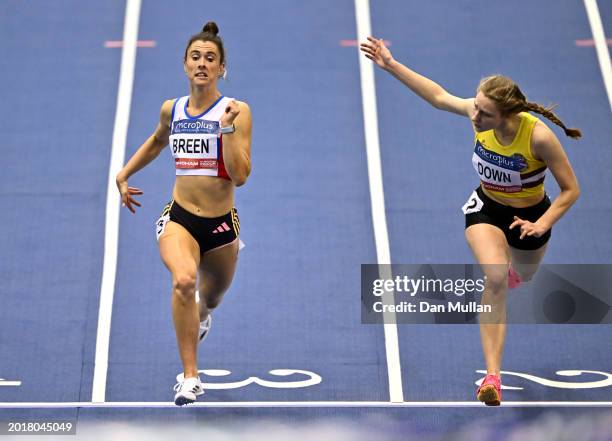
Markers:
(210, 28)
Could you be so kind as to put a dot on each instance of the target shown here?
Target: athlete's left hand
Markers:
(528, 228)
(231, 112)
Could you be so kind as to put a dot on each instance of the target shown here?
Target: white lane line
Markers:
(603, 55)
(377, 197)
(111, 232)
(307, 404)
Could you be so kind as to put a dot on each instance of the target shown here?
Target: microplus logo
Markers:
(195, 126)
(515, 162)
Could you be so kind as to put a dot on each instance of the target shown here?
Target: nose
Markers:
(475, 117)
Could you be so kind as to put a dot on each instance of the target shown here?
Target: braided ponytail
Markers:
(510, 100)
(547, 113)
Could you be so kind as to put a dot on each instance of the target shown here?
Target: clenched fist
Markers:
(231, 112)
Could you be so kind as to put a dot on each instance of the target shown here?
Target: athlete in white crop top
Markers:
(210, 139)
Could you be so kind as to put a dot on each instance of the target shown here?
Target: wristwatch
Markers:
(227, 130)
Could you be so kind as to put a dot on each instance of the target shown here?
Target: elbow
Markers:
(434, 95)
(240, 179)
(440, 99)
(239, 171)
(576, 193)
(436, 103)
(572, 194)
(239, 182)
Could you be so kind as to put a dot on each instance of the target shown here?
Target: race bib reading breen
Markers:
(195, 144)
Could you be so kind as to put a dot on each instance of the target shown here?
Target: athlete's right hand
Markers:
(376, 51)
(126, 195)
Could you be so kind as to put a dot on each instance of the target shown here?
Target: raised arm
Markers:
(430, 91)
(237, 145)
(146, 153)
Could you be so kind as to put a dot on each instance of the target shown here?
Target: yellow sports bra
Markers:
(509, 171)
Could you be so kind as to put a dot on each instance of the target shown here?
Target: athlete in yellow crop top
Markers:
(509, 216)
(510, 170)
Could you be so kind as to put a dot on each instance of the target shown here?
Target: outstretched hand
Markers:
(375, 50)
(126, 195)
(528, 228)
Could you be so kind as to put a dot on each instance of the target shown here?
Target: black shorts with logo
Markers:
(209, 232)
(481, 209)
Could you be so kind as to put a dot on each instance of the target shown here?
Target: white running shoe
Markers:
(187, 391)
(205, 327)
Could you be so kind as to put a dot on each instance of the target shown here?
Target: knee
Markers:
(213, 294)
(497, 282)
(184, 285)
(213, 301)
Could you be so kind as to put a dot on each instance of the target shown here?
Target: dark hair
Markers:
(510, 100)
(210, 33)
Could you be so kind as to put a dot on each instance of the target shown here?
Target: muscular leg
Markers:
(180, 253)
(216, 271)
(490, 249)
(527, 262)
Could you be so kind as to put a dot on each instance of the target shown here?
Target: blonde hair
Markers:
(510, 100)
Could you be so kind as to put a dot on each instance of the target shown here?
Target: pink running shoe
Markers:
(514, 280)
(489, 391)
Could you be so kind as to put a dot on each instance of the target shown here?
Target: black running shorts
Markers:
(481, 209)
(209, 232)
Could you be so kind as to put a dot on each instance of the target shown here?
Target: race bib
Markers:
(473, 204)
(194, 151)
(498, 172)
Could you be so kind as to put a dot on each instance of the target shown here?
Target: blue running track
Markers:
(305, 212)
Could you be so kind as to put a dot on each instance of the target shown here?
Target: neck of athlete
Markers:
(506, 131)
(202, 97)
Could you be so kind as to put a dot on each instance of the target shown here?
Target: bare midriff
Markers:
(205, 196)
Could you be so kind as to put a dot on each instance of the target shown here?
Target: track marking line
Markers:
(591, 43)
(603, 55)
(308, 404)
(139, 43)
(355, 43)
(377, 197)
(111, 227)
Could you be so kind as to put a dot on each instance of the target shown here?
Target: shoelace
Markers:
(178, 386)
(492, 380)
